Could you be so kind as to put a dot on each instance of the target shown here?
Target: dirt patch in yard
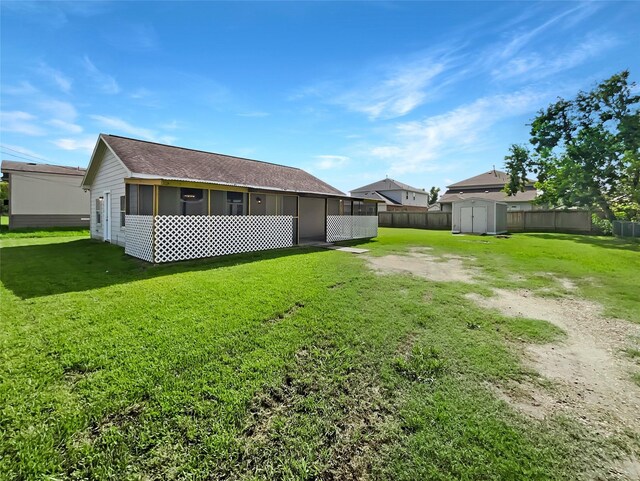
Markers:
(440, 269)
(591, 375)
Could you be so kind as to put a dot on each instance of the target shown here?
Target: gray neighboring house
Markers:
(164, 203)
(488, 186)
(395, 195)
(44, 195)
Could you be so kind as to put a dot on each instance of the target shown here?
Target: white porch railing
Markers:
(139, 237)
(167, 238)
(345, 227)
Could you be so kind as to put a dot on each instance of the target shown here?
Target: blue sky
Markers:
(427, 93)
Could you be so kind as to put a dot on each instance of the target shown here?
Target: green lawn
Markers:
(291, 364)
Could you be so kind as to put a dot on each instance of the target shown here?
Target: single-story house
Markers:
(394, 196)
(166, 203)
(489, 186)
(45, 195)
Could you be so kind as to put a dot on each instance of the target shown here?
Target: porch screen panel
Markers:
(218, 202)
(370, 208)
(272, 204)
(169, 202)
(346, 207)
(333, 206)
(258, 204)
(197, 206)
(145, 200)
(290, 205)
(132, 199)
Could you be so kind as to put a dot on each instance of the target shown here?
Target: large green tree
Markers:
(585, 152)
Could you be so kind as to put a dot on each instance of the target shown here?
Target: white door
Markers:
(106, 215)
(466, 219)
(479, 220)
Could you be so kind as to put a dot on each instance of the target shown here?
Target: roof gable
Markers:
(152, 160)
(493, 178)
(387, 184)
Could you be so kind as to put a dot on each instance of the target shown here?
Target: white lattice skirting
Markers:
(179, 238)
(139, 237)
(345, 227)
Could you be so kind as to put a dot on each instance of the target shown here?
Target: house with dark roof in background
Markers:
(165, 203)
(395, 195)
(488, 186)
(45, 195)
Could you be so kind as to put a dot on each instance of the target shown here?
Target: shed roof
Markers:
(152, 160)
(387, 184)
(14, 166)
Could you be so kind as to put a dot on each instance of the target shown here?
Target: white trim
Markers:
(92, 159)
(107, 214)
(135, 175)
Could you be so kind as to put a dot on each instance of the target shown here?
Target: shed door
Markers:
(479, 220)
(466, 219)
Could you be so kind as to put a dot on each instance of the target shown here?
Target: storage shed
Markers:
(478, 216)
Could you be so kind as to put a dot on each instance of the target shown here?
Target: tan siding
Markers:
(110, 177)
(35, 193)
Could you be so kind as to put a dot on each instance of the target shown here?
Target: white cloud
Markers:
(404, 89)
(20, 123)
(124, 127)
(105, 82)
(326, 162)
(24, 88)
(85, 144)
(416, 146)
(535, 66)
(59, 110)
(66, 126)
(61, 80)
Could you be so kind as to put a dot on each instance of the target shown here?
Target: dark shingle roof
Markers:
(13, 166)
(493, 178)
(377, 196)
(526, 196)
(150, 159)
(387, 184)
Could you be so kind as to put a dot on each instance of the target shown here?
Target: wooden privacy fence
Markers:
(416, 220)
(569, 221)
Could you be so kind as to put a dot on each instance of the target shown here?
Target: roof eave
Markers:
(135, 175)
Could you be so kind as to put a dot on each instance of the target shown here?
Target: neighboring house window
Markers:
(99, 202)
(407, 195)
(123, 206)
(414, 196)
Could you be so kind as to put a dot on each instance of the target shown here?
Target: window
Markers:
(99, 204)
(414, 196)
(123, 209)
(407, 195)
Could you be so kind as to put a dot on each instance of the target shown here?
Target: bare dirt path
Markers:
(590, 374)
